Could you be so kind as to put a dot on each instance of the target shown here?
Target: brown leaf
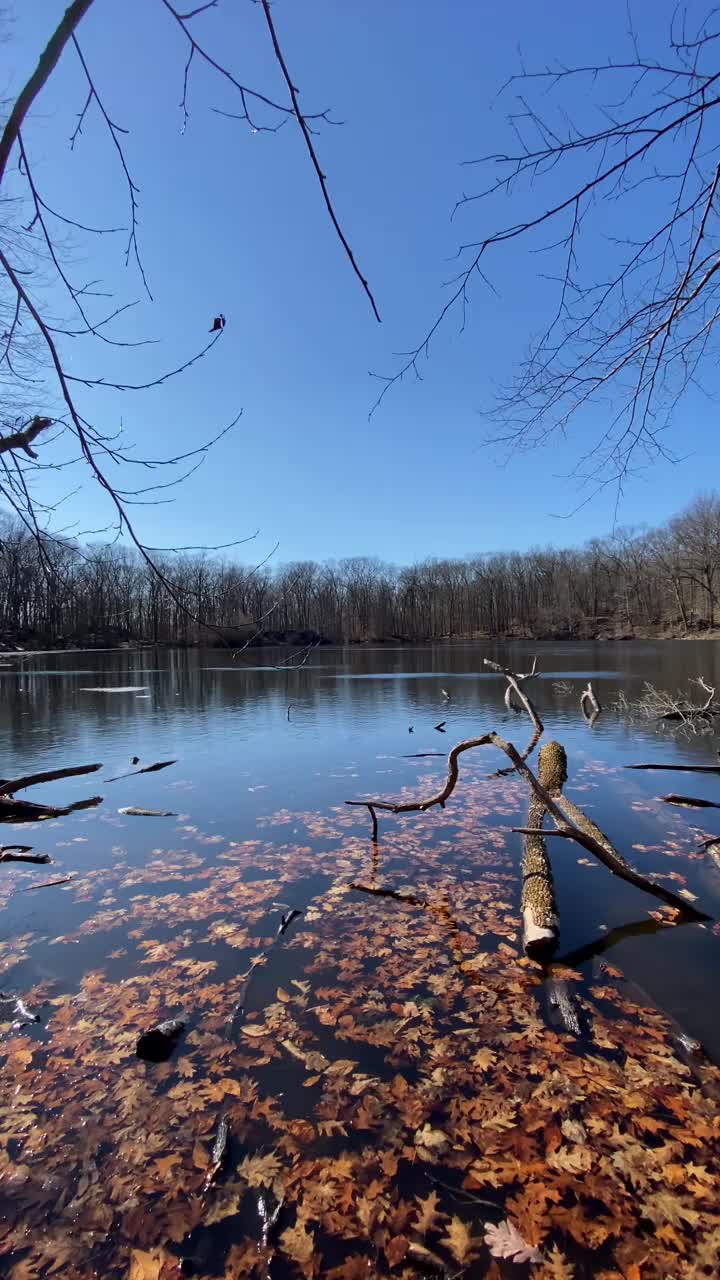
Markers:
(459, 1241)
(395, 1250)
(146, 1264)
(428, 1216)
(299, 1244)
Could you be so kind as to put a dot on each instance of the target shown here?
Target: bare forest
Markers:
(664, 581)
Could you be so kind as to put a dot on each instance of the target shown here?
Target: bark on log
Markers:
(539, 910)
(573, 823)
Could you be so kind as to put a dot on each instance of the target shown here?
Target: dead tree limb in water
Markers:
(22, 854)
(571, 822)
(539, 910)
(515, 681)
(8, 786)
(574, 824)
(589, 699)
(690, 802)
(679, 768)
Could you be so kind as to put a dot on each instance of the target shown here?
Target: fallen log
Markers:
(690, 802)
(571, 822)
(539, 910)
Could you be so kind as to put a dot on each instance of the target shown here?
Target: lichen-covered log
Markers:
(539, 910)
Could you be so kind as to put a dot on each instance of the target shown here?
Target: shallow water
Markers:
(265, 759)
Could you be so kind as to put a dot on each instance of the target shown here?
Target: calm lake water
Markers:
(266, 758)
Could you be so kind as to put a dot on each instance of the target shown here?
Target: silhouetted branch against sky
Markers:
(36, 263)
(633, 338)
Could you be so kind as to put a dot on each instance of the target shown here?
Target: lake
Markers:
(364, 1048)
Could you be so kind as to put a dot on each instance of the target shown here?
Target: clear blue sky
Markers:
(233, 221)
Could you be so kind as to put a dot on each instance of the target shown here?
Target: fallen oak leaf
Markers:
(504, 1241)
(146, 1264)
(428, 1215)
(299, 1244)
(459, 1242)
(429, 1143)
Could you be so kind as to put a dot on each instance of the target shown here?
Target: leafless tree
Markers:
(45, 395)
(615, 164)
(658, 582)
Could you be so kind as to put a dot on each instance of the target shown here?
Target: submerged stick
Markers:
(219, 1152)
(678, 768)
(149, 768)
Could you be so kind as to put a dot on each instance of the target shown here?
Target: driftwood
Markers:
(157, 1044)
(12, 810)
(539, 910)
(514, 687)
(219, 1152)
(8, 786)
(588, 699)
(132, 811)
(690, 802)
(571, 822)
(679, 768)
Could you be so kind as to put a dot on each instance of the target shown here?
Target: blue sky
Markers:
(232, 221)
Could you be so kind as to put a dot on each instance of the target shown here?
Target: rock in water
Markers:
(157, 1044)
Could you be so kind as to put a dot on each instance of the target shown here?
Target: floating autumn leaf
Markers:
(147, 1264)
(299, 1244)
(260, 1171)
(459, 1241)
(427, 1216)
(430, 1142)
(504, 1241)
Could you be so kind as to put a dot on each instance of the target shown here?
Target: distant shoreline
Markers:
(137, 646)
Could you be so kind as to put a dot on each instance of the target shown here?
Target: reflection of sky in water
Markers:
(251, 740)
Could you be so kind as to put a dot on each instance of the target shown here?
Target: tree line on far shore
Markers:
(664, 580)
